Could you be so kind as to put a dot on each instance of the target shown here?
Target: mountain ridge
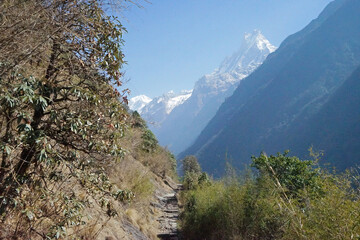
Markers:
(183, 125)
(327, 51)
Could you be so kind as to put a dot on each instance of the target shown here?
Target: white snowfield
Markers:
(156, 110)
(139, 102)
(177, 100)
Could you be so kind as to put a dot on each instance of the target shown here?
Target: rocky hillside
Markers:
(74, 163)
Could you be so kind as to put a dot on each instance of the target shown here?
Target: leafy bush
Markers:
(221, 211)
(194, 180)
(274, 204)
(150, 142)
(190, 164)
(289, 172)
(137, 121)
(193, 177)
(172, 160)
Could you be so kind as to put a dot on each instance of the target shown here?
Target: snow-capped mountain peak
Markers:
(154, 111)
(139, 102)
(176, 119)
(256, 38)
(167, 102)
(177, 100)
(253, 51)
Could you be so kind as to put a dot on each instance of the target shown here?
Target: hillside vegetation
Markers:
(281, 198)
(75, 164)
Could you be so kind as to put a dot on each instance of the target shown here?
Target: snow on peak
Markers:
(256, 38)
(217, 85)
(139, 102)
(253, 51)
(170, 100)
(177, 100)
(156, 111)
(251, 54)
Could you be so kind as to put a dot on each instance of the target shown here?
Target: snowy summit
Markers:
(156, 110)
(253, 51)
(188, 119)
(139, 102)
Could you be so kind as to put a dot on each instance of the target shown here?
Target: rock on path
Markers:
(169, 206)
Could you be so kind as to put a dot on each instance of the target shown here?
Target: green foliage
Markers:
(291, 173)
(258, 206)
(191, 164)
(194, 180)
(193, 177)
(150, 142)
(204, 179)
(172, 161)
(222, 211)
(191, 180)
(138, 122)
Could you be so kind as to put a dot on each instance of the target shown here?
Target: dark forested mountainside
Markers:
(292, 85)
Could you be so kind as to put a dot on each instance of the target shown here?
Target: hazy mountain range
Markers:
(178, 125)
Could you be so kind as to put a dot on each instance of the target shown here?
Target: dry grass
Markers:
(142, 173)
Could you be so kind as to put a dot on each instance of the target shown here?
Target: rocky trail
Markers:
(169, 206)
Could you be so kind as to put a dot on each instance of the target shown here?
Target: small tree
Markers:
(289, 172)
(150, 142)
(191, 164)
(137, 121)
(193, 176)
(60, 115)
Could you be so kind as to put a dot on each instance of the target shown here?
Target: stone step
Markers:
(169, 206)
(171, 210)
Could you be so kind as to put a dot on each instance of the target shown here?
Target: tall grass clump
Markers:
(281, 198)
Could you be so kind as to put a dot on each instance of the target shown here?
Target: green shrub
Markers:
(142, 186)
(283, 200)
(190, 164)
(172, 160)
(221, 211)
(193, 177)
(150, 142)
(334, 215)
(291, 173)
(137, 121)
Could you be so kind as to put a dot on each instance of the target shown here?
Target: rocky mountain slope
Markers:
(290, 87)
(335, 129)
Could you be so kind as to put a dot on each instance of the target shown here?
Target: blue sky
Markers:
(170, 44)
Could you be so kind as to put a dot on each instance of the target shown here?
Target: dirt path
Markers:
(169, 206)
